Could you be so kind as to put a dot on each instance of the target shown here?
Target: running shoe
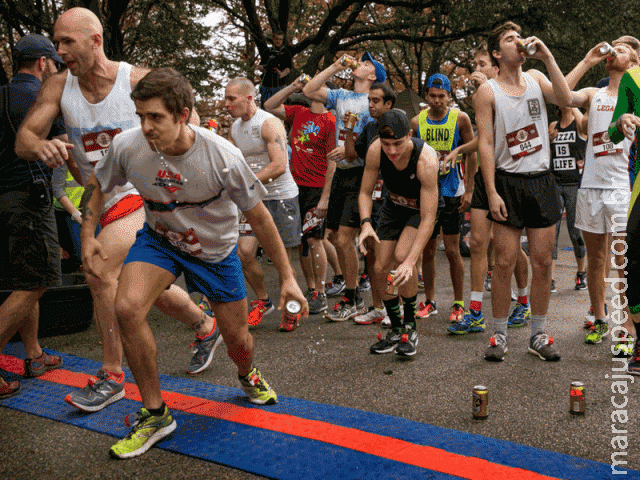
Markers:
(9, 389)
(623, 346)
(342, 311)
(408, 342)
(514, 297)
(259, 310)
(203, 350)
(487, 281)
(519, 316)
(309, 294)
(257, 389)
(364, 285)
(100, 391)
(426, 309)
(633, 366)
(34, 367)
(590, 317)
(317, 303)
(541, 345)
(388, 343)
(497, 348)
(553, 286)
(146, 430)
(597, 332)
(386, 322)
(373, 315)
(472, 322)
(457, 313)
(581, 281)
(335, 287)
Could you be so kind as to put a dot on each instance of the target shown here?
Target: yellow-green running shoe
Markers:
(597, 332)
(258, 389)
(147, 430)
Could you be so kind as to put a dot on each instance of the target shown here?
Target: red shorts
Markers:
(126, 205)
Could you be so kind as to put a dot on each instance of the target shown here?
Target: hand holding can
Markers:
(529, 48)
(349, 62)
(350, 120)
(608, 50)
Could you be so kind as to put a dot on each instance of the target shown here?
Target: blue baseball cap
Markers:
(381, 73)
(34, 46)
(438, 80)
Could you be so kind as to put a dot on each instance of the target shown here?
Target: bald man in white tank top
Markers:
(93, 96)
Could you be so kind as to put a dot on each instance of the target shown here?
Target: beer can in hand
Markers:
(577, 401)
(350, 121)
(391, 288)
(291, 316)
(529, 49)
(607, 49)
(349, 62)
(304, 79)
(480, 398)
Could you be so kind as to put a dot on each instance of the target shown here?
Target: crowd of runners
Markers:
(349, 175)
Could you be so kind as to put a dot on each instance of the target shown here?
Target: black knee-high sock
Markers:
(393, 310)
(410, 311)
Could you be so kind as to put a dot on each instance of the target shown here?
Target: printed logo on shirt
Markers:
(524, 142)
(96, 143)
(168, 180)
(534, 107)
(304, 136)
(255, 131)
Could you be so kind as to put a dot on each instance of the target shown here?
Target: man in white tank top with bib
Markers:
(522, 193)
(94, 98)
(604, 194)
(263, 141)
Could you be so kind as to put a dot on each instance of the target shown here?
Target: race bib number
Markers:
(244, 227)
(602, 145)
(568, 163)
(187, 242)
(523, 142)
(96, 143)
(311, 221)
(403, 201)
(377, 190)
(343, 135)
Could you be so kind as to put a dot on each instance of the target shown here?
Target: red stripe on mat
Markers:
(385, 447)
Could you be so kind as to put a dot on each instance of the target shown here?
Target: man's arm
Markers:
(91, 207)
(31, 141)
(323, 203)
(470, 161)
(316, 89)
(590, 60)
(350, 154)
(274, 135)
(414, 123)
(274, 104)
(365, 202)
(267, 234)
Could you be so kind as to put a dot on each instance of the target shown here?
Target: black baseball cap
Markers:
(397, 120)
(34, 46)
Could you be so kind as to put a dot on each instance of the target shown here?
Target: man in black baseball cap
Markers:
(393, 124)
(34, 46)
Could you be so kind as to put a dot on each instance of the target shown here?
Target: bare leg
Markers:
(598, 255)
(456, 265)
(347, 255)
(234, 327)
(541, 241)
(247, 248)
(332, 256)
(307, 268)
(318, 257)
(429, 268)
(478, 244)
(505, 257)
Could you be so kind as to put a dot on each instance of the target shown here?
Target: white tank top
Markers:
(92, 126)
(248, 138)
(521, 136)
(606, 163)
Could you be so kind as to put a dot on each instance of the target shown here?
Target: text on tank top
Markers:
(566, 150)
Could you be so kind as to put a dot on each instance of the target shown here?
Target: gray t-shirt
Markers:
(191, 200)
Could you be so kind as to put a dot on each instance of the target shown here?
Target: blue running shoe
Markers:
(472, 322)
(519, 316)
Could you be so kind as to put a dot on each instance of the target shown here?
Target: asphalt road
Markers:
(330, 363)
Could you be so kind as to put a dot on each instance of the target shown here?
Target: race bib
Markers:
(187, 242)
(377, 190)
(441, 154)
(311, 221)
(524, 142)
(602, 145)
(403, 201)
(96, 143)
(244, 227)
(343, 135)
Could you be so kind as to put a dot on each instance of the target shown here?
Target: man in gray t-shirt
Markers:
(193, 183)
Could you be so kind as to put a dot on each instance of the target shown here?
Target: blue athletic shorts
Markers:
(221, 282)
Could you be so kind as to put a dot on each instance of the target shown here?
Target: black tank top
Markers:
(404, 183)
(566, 149)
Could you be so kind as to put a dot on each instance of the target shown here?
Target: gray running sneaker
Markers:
(98, 393)
(497, 348)
(408, 341)
(541, 345)
(335, 287)
(203, 351)
(343, 311)
(317, 303)
(388, 343)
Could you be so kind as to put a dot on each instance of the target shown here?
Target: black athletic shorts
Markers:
(343, 201)
(394, 218)
(449, 218)
(479, 199)
(30, 249)
(532, 199)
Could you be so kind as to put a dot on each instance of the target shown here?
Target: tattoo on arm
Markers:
(281, 143)
(84, 202)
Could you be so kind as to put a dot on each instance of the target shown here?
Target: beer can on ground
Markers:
(529, 49)
(291, 316)
(480, 397)
(577, 402)
(607, 49)
(350, 120)
(304, 78)
(391, 288)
